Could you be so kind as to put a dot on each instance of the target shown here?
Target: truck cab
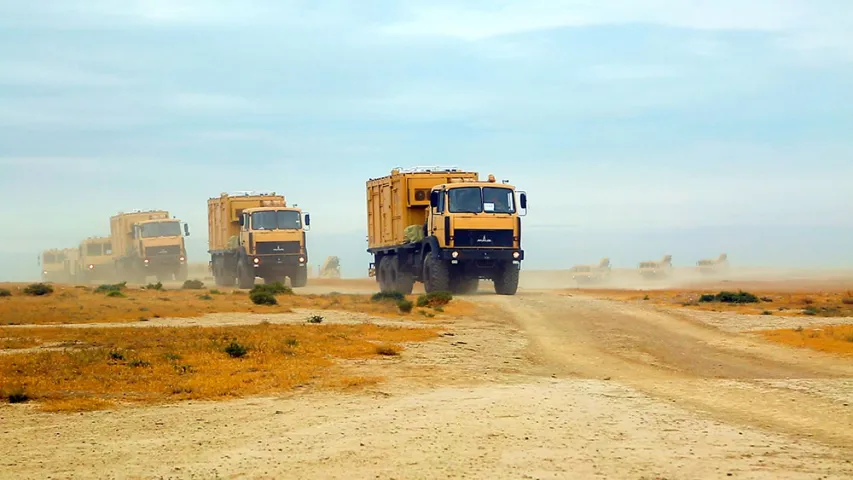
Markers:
(53, 265)
(96, 259)
(160, 243)
(274, 241)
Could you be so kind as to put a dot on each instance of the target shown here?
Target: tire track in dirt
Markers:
(683, 361)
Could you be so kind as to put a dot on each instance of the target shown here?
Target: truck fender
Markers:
(430, 244)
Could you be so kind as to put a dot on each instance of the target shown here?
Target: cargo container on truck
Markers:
(445, 228)
(257, 235)
(147, 244)
(95, 260)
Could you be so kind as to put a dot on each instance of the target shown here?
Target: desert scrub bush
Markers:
(38, 289)
(263, 298)
(845, 300)
(205, 297)
(807, 301)
(276, 288)
(16, 395)
(811, 311)
(316, 319)
(435, 299)
(767, 299)
(388, 350)
(107, 287)
(115, 293)
(730, 297)
(154, 286)
(5, 292)
(405, 306)
(193, 285)
(215, 292)
(235, 350)
(387, 296)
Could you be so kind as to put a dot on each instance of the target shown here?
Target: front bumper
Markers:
(276, 262)
(163, 261)
(474, 254)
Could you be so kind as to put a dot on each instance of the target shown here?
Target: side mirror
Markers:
(186, 230)
(522, 199)
(242, 221)
(307, 220)
(433, 198)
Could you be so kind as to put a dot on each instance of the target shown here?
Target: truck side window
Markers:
(441, 196)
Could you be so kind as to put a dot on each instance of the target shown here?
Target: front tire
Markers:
(436, 274)
(299, 278)
(245, 276)
(506, 280)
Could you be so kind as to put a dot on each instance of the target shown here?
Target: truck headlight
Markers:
(301, 259)
(182, 259)
(455, 254)
(257, 260)
(515, 254)
(146, 260)
(91, 267)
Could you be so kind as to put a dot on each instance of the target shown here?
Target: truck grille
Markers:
(276, 248)
(482, 238)
(166, 250)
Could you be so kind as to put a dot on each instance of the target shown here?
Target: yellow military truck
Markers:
(331, 268)
(146, 244)
(445, 228)
(651, 269)
(713, 266)
(55, 265)
(95, 260)
(257, 235)
(584, 274)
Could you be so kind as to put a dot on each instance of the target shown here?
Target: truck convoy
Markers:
(445, 228)
(95, 260)
(148, 244)
(256, 235)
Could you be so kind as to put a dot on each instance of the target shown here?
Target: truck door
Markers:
(437, 226)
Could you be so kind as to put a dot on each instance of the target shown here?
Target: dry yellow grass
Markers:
(150, 365)
(69, 304)
(836, 339)
(789, 303)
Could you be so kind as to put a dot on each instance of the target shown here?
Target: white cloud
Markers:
(38, 74)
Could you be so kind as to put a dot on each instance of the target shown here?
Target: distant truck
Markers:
(713, 266)
(58, 265)
(331, 268)
(257, 235)
(445, 228)
(584, 274)
(652, 269)
(148, 244)
(95, 261)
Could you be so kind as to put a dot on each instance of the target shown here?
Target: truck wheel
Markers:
(245, 276)
(403, 279)
(436, 274)
(383, 274)
(506, 280)
(299, 277)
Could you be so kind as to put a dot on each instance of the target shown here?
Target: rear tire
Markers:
(506, 281)
(404, 280)
(436, 274)
(383, 274)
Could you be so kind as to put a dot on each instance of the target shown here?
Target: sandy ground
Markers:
(538, 385)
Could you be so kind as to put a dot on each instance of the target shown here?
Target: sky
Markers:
(637, 127)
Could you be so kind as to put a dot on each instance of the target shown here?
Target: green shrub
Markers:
(106, 288)
(38, 289)
(386, 296)
(811, 311)
(215, 292)
(115, 293)
(730, 297)
(5, 293)
(17, 395)
(276, 288)
(235, 350)
(193, 285)
(205, 297)
(405, 306)
(154, 286)
(315, 319)
(435, 299)
(263, 298)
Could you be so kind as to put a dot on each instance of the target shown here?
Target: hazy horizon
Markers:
(637, 129)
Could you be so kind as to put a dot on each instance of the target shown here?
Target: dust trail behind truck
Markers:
(445, 228)
(147, 244)
(257, 235)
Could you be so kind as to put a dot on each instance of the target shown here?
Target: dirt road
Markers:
(538, 386)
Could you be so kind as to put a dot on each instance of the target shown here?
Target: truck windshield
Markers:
(93, 249)
(475, 200)
(465, 200)
(498, 200)
(50, 258)
(161, 229)
(276, 220)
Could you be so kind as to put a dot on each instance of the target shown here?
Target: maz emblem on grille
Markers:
(164, 251)
(277, 249)
(484, 240)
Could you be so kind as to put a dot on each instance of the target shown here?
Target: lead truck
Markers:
(445, 228)
(257, 235)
